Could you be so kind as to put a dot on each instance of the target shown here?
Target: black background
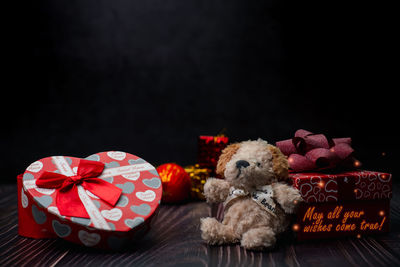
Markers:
(148, 77)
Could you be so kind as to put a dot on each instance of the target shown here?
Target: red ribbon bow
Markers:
(67, 200)
(308, 151)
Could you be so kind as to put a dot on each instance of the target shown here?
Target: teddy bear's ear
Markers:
(225, 157)
(280, 164)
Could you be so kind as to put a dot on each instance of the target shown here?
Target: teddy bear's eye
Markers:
(258, 164)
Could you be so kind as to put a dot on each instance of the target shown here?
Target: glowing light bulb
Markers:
(296, 227)
(382, 213)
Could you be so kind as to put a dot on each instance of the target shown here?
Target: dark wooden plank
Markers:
(175, 241)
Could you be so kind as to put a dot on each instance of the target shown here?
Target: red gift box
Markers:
(352, 185)
(343, 218)
(209, 150)
(343, 204)
(115, 196)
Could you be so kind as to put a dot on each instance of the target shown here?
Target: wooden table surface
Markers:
(175, 241)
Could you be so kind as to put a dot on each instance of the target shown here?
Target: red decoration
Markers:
(352, 185)
(209, 150)
(67, 199)
(175, 181)
(351, 203)
(349, 218)
(308, 151)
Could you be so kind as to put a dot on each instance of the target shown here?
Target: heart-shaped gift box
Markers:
(108, 224)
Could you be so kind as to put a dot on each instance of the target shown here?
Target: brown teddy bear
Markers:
(255, 195)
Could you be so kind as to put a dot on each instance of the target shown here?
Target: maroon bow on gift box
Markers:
(308, 151)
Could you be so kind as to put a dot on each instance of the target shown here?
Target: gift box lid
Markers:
(350, 185)
(138, 181)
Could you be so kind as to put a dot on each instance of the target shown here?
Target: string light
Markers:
(382, 213)
(321, 184)
(296, 227)
(357, 163)
(358, 236)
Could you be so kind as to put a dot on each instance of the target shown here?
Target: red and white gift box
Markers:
(106, 226)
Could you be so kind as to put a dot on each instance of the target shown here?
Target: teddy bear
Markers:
(256, 196)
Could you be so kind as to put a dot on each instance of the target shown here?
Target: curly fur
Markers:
(280, 163)
(225, 157)
(245, 221)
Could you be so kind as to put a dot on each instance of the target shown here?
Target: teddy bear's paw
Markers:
(209, 230)
(216, 190)
(287, 196)
(293, 200)
(258, 239)
(216, 233)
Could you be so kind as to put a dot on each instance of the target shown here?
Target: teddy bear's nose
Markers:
(242, 163)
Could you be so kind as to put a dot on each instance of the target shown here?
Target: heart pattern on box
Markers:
(24, 199)
(154, 182)
(142, 209)
(82, 221)
(331, 186)
(127, 187)
(367, 185)
(147, 196)
(132, 176)
(112, 215)
(39, 216)
(88, 239)
(135, 182)
(28, 176)
(62, 230)
(136, 161)
(112, 164)
(94, 157)
(117, 155)
(123, 201)
(132, 223)
(35, 167)
(45, 200)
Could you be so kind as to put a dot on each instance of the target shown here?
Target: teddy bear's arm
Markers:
(216, 190)
(287, 196)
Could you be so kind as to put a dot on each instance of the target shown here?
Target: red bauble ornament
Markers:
(176, 183)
